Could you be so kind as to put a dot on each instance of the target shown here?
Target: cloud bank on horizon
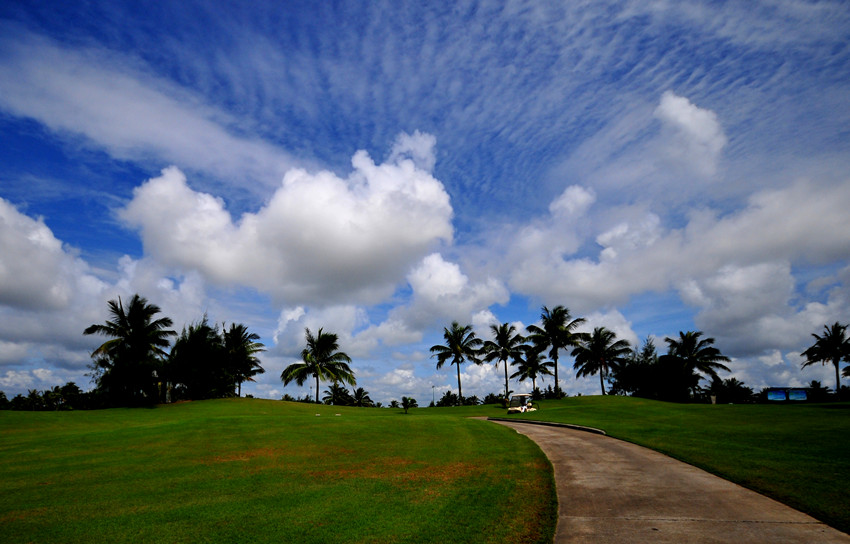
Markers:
(381, 170)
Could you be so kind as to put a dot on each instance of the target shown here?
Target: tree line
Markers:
(135, 367)
(639, 371)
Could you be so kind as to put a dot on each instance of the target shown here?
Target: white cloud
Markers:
(17, 379)
(612, 320)
(49, 295)
(124, 109)
(36, 271)
(436, 278)
(804, 222)
(695, 137)
(480, 380)
(342, 320)
(628, 236)
(767, 25)
(417, 147)
(320, 237)
(573, 202)
(400, 382)
(43, 374)
(12, 353)
(481, 322)
(441, 291)
(534, 247)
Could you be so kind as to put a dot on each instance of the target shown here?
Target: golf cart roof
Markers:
(522, 395)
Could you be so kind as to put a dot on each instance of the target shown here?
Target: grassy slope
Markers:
(266, 471)
(797, 454)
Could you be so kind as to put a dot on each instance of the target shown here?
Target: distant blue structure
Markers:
(786, 394)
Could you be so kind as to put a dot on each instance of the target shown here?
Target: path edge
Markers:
(550, 424)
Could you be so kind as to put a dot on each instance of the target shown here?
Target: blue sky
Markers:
(381, 169)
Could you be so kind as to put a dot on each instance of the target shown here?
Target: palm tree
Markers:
(126, 363)
(598, 352)
(461, 344)
(556, 332)
(360, 397)
(408, 403)
(697, 355)
(832, 347)
(532, 365)
(322, 360)
(336, 395)
(35, 400)
(506, 344)
(241, 348)
(197, 365)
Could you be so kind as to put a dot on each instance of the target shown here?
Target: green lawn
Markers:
(797, 454)
(245, 470)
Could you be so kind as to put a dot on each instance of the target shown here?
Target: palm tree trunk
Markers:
(506, 378)
(317, 389)
(557, 387)
(835, 362)
(601, 381)
(459, 390)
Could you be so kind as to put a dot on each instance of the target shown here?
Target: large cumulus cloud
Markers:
(320, 238)
(36, 270)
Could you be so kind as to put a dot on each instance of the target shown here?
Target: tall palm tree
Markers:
(598, 352)
(697, 355)
(461, 345)
(832, 347)
(322, 360)
(241, 348)
(506, 344)
(556, 332)
(126, 363)
(531, 365)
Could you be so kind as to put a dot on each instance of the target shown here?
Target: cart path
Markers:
(614, 491)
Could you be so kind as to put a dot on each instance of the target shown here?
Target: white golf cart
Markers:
(520, 404)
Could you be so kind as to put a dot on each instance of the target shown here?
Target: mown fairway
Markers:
(797, 454)
(244, 470)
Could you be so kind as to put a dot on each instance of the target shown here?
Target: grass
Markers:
(245, 470)
(797, 454)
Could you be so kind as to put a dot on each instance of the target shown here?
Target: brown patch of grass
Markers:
(246, 455)
(397, 469)
(22, 515)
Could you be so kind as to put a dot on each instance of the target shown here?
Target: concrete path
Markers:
(614, 491)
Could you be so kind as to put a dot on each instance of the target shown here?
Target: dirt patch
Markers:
(399, 470)
(247, 455)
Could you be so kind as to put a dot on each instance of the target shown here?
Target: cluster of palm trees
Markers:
(337, 395)
(599, 352)
(65, 397)
(134, 367)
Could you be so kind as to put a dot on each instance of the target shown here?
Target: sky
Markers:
(381, 169)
